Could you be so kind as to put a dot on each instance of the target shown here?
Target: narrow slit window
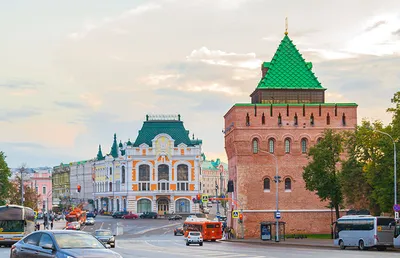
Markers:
(287, 110)
(279, 119)
(312, 119)
(267, 184)
(247, 120)
(288, 185)
(328, 119)
(304, 110)
(263, 119)
(344, 119)
(296, 119)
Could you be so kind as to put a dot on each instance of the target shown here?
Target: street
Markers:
(155, 238)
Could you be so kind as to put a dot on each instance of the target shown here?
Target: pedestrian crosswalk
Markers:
(179, 248)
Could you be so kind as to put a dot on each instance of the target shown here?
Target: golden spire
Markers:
(286, 26)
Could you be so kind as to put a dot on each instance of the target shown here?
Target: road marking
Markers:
(152, 229)
(101, 225)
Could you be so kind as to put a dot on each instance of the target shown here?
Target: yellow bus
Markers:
(15, 223)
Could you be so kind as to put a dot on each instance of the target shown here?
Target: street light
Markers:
(277, 193)
(394, 162)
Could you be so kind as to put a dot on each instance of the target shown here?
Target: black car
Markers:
(149, 215)
(91, 215)
(105, 236)
(175, 217)
(60, 243)
(119, 214)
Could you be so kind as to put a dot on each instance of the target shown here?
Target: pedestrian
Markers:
(51, 224)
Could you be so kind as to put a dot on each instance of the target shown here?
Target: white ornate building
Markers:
(159, 172)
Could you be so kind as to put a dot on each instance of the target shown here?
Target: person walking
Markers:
(51, 224)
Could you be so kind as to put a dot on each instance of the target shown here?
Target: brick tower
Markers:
(286, 116)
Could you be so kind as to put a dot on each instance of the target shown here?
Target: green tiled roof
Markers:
(288, 70)
(213, 165)
(173, 128)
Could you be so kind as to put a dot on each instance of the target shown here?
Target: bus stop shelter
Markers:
(268, 230)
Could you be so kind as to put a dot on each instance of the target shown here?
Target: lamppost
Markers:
(276, 179)
(394, 164)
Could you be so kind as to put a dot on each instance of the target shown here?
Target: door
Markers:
(29, 247)
(45, 246)
(396, 239)
(163, 206)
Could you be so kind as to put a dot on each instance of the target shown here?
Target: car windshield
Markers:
(77, 241)
(103, 233)
(89, 219)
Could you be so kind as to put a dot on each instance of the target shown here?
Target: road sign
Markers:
(396, 215)
(235, 214)
(277, 215)
(204, 198)
(182, 203)
(223, 196)
(396, 207)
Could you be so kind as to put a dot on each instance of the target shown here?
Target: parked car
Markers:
(130, 216)
(194, 237)
(119, 214)
(209, 204)
(60, 243)
(73, 226)
(178, 231)
(89, 221)
(105, 236)
(149, 215)
(175, 217)
(206, 211)
(91, 215)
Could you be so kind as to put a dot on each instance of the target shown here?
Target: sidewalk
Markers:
(315, 243)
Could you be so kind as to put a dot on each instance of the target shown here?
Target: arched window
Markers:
(182, 206)
(288, 185)
(271, 144)
(312, 119)
(163, 177)
(123, 174)
(287, 145)
(328, 119)
(183, 177)
(267, 184)
(110, 171)
(319, 140)
(143, 205)
(117, 204)
(255, 146)
(304, 145)
(110, 186)
(144, 173)
(279, 119)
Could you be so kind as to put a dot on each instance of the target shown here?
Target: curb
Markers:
(304, 245)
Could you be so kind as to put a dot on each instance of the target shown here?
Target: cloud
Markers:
(8, 116)
(19, 84)
(375, 25)
(67, 104)
(397, 32)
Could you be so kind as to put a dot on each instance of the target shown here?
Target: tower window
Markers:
(247, 120)
(312, 119)
(320, 110)
(335, 109)
(296, 119)
(279, 119)
(287, 110)
(344, 119)
(271, 143)
(255, 146)
(271, 111)
(288, 185)
(287, 145)
(263, 119)
(267, 184)
(304, 110)
(328, 119)
(304, 145)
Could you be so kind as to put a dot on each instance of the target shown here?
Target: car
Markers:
(149, 215)
(206, 211)
(91, 215)
(119, 214)
(175, 217)
(73, 226)
(89, 221)
(130, 216)
(60, 243)
(178, 231)
(105, 236)
(194, 237)
(209, 204)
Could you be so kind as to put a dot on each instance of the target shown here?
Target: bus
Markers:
(211, 230)
(364, 232)
(396, 238)
(15, 223)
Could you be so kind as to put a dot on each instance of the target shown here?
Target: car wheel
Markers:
(174, 234)
(201, 244)
(187, 243)
(341, 244)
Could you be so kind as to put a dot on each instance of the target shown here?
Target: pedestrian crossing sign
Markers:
(204, 198)
(235, 214)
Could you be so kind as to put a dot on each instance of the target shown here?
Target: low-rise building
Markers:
(42, 181)
(214, 175)
(61, 186)
(81, 176)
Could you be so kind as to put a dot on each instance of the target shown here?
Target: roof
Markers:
(173, 128)
(289, 70)
(298, 105)
(213, 165)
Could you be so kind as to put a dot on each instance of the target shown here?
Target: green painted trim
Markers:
(298, 105)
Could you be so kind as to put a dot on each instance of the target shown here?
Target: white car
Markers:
(206, 211)
(194, 237)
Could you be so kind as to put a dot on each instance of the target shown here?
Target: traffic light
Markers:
(198, 197)
(240, 218)
(79, 188)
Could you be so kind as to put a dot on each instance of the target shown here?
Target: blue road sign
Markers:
(277, 215)
(182, 203)
(223, 196)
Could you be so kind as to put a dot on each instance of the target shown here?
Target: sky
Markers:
(73, 73)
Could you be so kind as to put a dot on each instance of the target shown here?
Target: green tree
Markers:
(5, 173)
(30, 195)
(322, 173)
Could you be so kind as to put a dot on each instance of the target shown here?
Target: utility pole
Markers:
(216, 195)
(22, 170)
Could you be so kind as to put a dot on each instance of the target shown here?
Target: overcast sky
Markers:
(73, 73)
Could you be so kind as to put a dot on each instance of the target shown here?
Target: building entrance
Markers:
(163, 206)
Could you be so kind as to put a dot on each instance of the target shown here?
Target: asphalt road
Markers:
(155, 238)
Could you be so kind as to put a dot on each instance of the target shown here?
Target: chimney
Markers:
(264, 68)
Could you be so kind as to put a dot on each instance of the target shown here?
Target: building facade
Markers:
(61, 195)
(159, 172)
(81, 176)
(287, 115)
(42, 182)
(214, 175)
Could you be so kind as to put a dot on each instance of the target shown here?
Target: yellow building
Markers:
(159, 172)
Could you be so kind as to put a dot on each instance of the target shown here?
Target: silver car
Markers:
(194, 237)
(89, 221)
(105, 236)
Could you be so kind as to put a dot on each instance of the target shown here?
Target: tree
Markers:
(322, 173)
(5, 173)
